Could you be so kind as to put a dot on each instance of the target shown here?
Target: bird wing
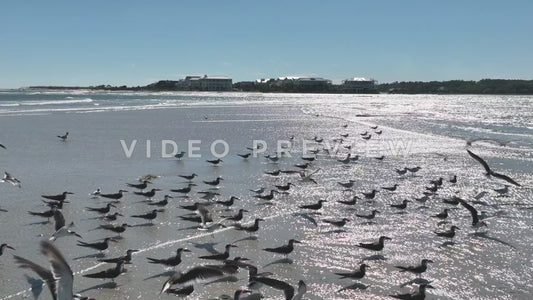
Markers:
(287, 289)
(45, 274)
(195, 275)
(504, 177)
(473, 211)
(481, 161)
(59, 220)
(61, 271)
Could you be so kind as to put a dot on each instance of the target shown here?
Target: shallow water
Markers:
(429, 131)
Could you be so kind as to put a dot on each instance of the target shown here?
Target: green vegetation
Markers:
(485, 86)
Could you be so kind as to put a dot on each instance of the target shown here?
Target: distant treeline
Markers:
(485, 86)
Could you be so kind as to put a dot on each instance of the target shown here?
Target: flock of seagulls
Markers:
(220, 265)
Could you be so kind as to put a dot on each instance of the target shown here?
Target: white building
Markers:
(358, 85)
(311, 82)
(215, 83)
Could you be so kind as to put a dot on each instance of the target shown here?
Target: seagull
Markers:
(148, 216)
(287, 289)
(180, 155)
(199, 274)
(102, 210)
(220, 256)
(336, 223)
(402, 205)
(390, 188)
(315, 206)
(189, 177)
(60, 197)
(63, 137)
(419, 269)
(215, 162)
(141, 186)
(171, 261)
(503, 191)
(111, 273)
(60, 228)
(9, 178)
(418, 295)
(489, 171)
(371, 216)
(448, 233)
(347, 184)
(118, 229)
(148, 194)
(184, 190)
(237, 217)
(413, 170)
(98, 245)
(253, 228)
(229, 202)
(3, 246)
(214, 182)
(96, 193)
(285, 249)
(59, 279)
(350, 202)
(401, 172)
(370, 195)
(442, 215)
(115, 196)
(357, 274)
(375, 246)
(126, 257)
(475, 216)
(246, 155)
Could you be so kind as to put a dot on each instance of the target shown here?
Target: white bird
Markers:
(9, 178)
(59, 279)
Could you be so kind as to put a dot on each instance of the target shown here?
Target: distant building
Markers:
(215, 83)
(206, 83)
(311, 83)
(358, 85)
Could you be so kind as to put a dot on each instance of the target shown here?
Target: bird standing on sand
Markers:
(220, 256)
(63, 137)
(171, 261)
(285, 249)
(418, 270)
(115, 196)
(375, 246)
(98, 245)
(111, 273)
(417, 295)
(357, 274)
(147, 216)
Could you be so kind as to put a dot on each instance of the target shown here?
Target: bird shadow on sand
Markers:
(144, 225)
(3, 210)
(279, 261)
(209, 247)
(189, 228)
(164, 274)
(334, 231)
(95, 255)
(36, 286)
(250, 238)
(374, 257)
(355, 286)
(38, 223)
(485, 236)
(106, 285)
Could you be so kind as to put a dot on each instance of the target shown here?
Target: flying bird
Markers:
(489, 171)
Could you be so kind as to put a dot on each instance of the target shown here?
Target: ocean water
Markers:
(429, 131)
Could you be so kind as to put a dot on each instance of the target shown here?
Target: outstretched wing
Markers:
(505, 177)
(481, 161)
(61, 271)
(45, 274)
(59, 220)
(473, 211)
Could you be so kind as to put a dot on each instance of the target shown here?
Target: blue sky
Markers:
(139, 42)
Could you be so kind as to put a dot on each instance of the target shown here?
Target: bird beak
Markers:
(430, 261)
(388, 238)
(128, 225)
(244, 259)
(169, 196)
(134, 250)
(70, 193)
(10, 247)
(245, 210)
(112, 205)
(113, 240)
(298, 242)
(77, 235)
(246, 291)
(186, 250)
(120, 215)
(430, 286)
(234, 246)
